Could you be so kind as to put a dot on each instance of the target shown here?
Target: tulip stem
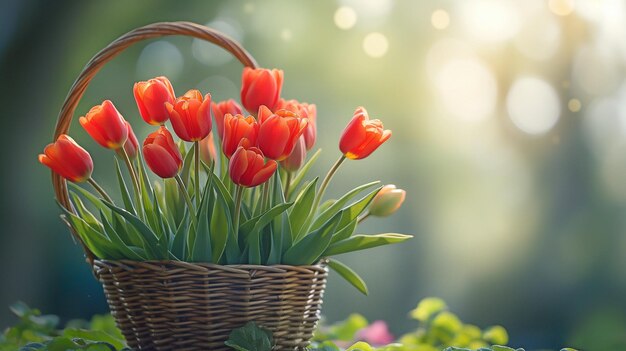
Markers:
(322, 190)
(287, 185)
(266, 196)
(238, 197)
(197, 170)
(100, 190)
(135, 180)
(183, 189)
(363, 217)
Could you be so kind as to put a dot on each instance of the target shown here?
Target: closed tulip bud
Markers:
(248, 168)
(151, 97)
(220, 110)
(304, 110)
(207, 149)
(294, 161)
(190, 116)
(237, 128)
(162, 154)
(387, 201)
(66, 158)
(362, 136)
(260, 86)
(279, 133)
(131, 146)
(105, 125)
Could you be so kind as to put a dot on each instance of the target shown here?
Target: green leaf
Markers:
(221, 224)
(496, 335)
(178, 246)
(362, 242)
(280, 228)
(97, 202)
(97, 242)
(360, 346)
(250, 337)
(118, 242)
(94, 335)
(310, 248)
(427, 308)
(128, 203)
(201, 245)
(349, 275)
(301, 209)
(174, 201)
(346, 231)
(151, 241)
(186, 169)
(303, 171)
(337, 205)
(353, 211)
(84, 213)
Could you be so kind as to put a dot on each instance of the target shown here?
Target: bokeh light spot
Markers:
(160, 58)
(467, 89)
(561, 7)
(211, 54)
(440, 19)
(574, 105)
(286, 34)
(345, 17)
(490, 20)
(533, 105)
(375, 44)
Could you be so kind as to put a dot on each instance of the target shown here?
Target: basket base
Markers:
(181, 306)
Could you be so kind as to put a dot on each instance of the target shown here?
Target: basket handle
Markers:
(92, 67)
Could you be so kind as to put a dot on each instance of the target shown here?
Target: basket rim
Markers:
(200, 266)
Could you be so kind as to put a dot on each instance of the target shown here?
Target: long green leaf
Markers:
(97, 242)
(310, 248)
(346, 231)
(201, 248)
(97, 202)
(338, 205)
(280, 228)
(84, 213)
(151, 240)
(352, 211)
(118, 242)
(128, 203)
(349, 275)
(301, 209)
(250, 231)
(178, 246)
(362, 242)
(303, 171)
(221, 224)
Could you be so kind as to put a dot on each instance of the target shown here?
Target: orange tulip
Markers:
(207, 149)
(162, 154)
(220, 109)
(296, 159)
(304, 110)
(235, 129)
(132, 144)
(190, 116)
(66, 158)
(105, 125)
(260, 86)
(362, 136)
(151, 97)
(247, 166)
(387, 201)
(279, 133)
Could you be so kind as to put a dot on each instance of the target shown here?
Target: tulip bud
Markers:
(161, 154)
(294, 161)
(66, 158)
(105, 125)
(220, 110)
(362, 136)
(247, 166)
(190, 116)
(151, 97)
(131, 146)
(207, 149)
(279, 133)
(260, 86)
(387, 201)
(237, 128)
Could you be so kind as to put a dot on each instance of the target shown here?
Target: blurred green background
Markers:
(509, 122)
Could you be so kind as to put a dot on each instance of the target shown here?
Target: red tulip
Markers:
(151, 97)
(304, 110)
(207, 149)
(260, 86)
(132, 144)
(362, 136)
(190, 116)
(162, 154)
(235, 129)
(248, 167)
(105, 125)
(294, 161)
(68, 159)
(279, 133)
(220, 109)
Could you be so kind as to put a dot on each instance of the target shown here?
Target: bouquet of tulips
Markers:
(248, 201)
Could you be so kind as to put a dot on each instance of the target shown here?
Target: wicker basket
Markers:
(180, 306)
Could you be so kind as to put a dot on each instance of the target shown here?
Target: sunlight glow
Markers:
(375, 45)
(160, 58)
(490, 20)
(440, 19)
(345, 17)
(561, 7)
(533, 105)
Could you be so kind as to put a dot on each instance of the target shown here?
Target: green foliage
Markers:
(250, 337)
(35, 331)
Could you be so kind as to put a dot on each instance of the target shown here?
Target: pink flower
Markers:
(376, 334)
